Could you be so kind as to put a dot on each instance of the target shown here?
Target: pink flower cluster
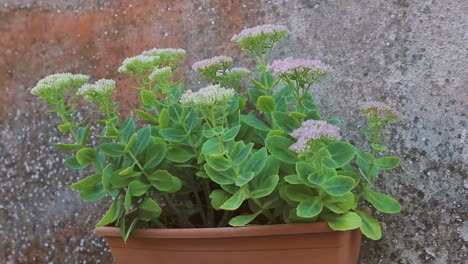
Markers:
(290, 65)
(218, 60)
(265, 29)
(380, 108)
(311, 130)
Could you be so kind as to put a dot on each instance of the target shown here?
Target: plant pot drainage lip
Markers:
(220, 232)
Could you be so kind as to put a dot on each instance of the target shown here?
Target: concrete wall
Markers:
(413, 54)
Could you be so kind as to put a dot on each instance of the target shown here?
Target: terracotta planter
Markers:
(289, 243)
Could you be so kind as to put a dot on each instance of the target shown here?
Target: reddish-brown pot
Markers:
(288, 243)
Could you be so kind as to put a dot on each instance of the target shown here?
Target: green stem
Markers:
(61, 112)
(226, 216)
(207, 191)
(159, 223)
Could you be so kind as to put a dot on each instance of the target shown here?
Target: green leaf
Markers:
(365, 167)
(128, 128)
(366, 156)
(164, 119)
(130, 228)
(218, 197)
(341, 152)
(334, 121)
(267, 80)
(107, 176)
(298, 116)
(255, 93)
(154, 154)
(145, 116)
(304, 170)
(254, 122)
(178, 154)
(127, 171)
(258, 84)
(164, 181)
(266, 181)
(128, 201)
(147, 98)
(73, 164)
(382, 202)
(379, 147)
(83, 134)
(284, 121)
(231, 133)
(235, 201)
(143, 140)
(226, 177)
(64, 127)
(121, 181)
(266, 104)
(85, 155)
(325, 158)
(338, 185)
(387, 163)
(296, 193)
(138, 188)
(279, 147)
(114, 150)
(319, 177)
(244, 178)
(87, 183)
(240, 152)
(90, 188)
(130, 142)
(67, 147)
(242, 220)
(149, 210)
(211, 146)
(293, 179)
(218, 162)
(339, 204)
(310, 207)
(112, 214)
(209, 133)
(191, 121)
(370, 227)
(343, 222)
(173, 134)
(256, 162)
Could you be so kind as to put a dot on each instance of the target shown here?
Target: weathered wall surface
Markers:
(413, 54)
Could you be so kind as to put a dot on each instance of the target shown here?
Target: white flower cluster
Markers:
(239, 69)
(207, 96)
(148, 60)
(58, 83)
(91, 92)
(160, 74)
(166, 51)
(268, 30)
(138, 63)
(215, 61)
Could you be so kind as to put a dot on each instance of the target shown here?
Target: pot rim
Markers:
(223, 232)
(220, 232)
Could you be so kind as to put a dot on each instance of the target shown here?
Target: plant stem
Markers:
(159, 223)
(65, 120)
(210, 211)
(226, 216)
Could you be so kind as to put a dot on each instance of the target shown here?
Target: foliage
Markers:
(225, 154)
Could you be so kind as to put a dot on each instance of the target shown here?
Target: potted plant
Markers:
(224, 173)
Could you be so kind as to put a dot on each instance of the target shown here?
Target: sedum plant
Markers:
(228, 154)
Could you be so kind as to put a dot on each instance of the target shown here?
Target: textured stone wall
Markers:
(413, 54)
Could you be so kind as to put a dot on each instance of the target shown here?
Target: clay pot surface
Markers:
(311, 243)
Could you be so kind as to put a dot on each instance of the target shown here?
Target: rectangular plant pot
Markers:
(312, 243)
